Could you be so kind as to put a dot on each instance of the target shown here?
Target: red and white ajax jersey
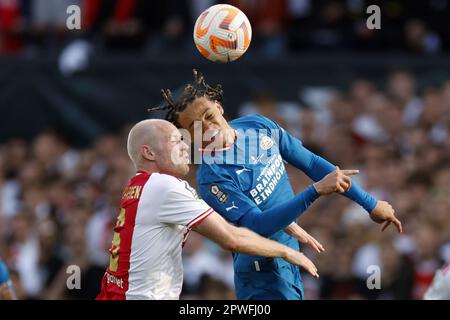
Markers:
(156, 214)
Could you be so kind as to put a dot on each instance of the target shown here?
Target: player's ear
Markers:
(147, 153)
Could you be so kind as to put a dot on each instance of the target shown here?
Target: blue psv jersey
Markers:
(251, 173)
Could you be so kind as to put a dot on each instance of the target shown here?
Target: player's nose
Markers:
(184, 146)
(206, 125)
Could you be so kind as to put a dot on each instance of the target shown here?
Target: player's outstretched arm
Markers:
(314, 166)
(336, 181)
(272, 220)
(238, 239)
(269, 221)
(380, 211)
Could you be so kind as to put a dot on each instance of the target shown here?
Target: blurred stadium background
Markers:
(376, 100)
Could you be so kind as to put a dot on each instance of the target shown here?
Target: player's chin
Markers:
(183, 169)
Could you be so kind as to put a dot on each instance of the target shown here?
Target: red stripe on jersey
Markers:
(115, 280)
(195, 222)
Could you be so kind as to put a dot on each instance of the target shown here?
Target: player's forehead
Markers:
(164, 131)
(174, 135)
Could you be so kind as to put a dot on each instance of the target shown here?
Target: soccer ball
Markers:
(222, 33)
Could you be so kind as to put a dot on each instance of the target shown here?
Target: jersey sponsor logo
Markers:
(221, 196)
(114, 280)
(232, 207)
(266, 143)
(268, 179)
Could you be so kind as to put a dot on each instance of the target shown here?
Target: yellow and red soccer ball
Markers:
(222, 33)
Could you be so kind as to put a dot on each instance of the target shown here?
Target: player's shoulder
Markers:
(140, 178)
(255, 121)
(165, 181)
(212, 172)
(205, 172)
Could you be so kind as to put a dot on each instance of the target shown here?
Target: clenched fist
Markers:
(336, 181)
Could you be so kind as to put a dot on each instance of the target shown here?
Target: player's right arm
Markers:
(225, 197)
(317, 167)
(242, 240)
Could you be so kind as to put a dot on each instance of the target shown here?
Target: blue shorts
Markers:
(283, 283)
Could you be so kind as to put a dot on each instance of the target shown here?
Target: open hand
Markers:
(304, 237)
(299, 259)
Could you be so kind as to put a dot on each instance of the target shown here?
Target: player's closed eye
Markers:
(177, 140)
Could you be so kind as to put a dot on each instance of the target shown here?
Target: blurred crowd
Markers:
(161, 26)
(58, 204)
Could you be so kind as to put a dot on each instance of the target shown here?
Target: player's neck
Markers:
(147, 168)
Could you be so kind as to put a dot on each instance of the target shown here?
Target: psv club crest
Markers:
(265, 143)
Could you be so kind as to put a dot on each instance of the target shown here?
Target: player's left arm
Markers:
(316, 167)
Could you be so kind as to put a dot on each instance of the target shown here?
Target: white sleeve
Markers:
(182, 206)
(440, 287)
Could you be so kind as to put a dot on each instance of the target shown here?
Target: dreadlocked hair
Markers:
(198, 88)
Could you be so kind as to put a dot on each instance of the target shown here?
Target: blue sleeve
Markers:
(269, 221)
(314, 166)
(4, 274)
(227, 199)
